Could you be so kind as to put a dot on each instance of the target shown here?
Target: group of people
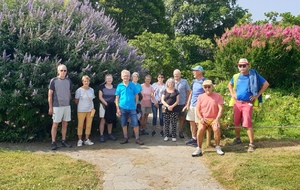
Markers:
(173, 102)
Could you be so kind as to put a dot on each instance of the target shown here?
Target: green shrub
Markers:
(38, 35)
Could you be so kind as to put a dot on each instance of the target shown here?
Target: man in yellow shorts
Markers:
(209, 109)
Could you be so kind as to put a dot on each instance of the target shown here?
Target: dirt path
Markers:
(155, 165)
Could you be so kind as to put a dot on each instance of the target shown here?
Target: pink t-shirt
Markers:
(209, 104)
(146, 92)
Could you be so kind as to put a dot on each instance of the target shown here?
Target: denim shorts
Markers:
(126, 114)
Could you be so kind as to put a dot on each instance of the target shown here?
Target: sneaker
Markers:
(153, 133)
(139, 141)
(197, 152)
(53, 146)
(251, 148)
(181, 135)
(219, 151)
(65, 144)
(112, 137)
(161, 133)
(191, 142)
(125, 140)
(102, 138)
(79, 143)
(236, 141)
(174, 139)
(143, 132)
(166, 138)
(88, 142)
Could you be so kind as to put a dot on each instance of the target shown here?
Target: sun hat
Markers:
(243, 61)
(198, 68)
(207, 82)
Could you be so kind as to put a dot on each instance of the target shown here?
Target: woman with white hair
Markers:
(170, 99)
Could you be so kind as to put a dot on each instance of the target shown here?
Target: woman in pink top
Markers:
(147, 92)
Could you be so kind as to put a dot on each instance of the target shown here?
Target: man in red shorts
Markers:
(246, 89)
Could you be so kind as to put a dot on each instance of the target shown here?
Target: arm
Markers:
(175, 104)
(76, 101)
(232, 92)
(50, 94)
(264, 87)
(101, 98)
(163, 101)
(117, 105)
(198, 112)
(220, 112)
(188, 103)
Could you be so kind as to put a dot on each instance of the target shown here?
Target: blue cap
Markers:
(198, 68)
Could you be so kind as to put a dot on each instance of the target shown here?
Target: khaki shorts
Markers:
(146, 110)
(192, 115)
(61, 114)
(101, 111)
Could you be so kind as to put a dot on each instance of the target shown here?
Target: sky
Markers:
(258, 7)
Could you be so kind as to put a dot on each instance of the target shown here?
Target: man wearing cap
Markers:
(209, 109)
(184, 91)
(197, 89)
(246, 89)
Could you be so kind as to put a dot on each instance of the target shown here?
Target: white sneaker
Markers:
(88, 142)
(79, 143)
(197, 152)
(174, 139)
(166, 138)
(219, 151)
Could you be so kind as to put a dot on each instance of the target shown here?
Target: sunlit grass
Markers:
(27, 170)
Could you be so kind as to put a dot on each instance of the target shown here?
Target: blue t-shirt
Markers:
(127, 95)
(242, 86)
(197, 89)
(182, 86)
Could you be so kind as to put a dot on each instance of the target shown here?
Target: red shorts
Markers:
(242, 112)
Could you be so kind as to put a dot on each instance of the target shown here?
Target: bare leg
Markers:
(54, 131)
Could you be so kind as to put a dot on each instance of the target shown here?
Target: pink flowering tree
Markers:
(273, 50)
(36, 36)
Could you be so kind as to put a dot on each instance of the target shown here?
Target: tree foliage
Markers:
(205, 18)
(38, 35)
(271, 49)
(164, 54)
(133, 17)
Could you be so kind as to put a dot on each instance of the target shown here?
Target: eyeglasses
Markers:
(207, 87)
(242, 66)
(63, 70)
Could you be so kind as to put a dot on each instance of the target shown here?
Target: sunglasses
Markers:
(207, 87)
(63, 70)
(242, 66)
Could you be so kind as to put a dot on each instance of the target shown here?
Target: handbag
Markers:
(164, 108)
(93, 111)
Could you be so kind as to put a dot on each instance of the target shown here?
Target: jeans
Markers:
(154, 111)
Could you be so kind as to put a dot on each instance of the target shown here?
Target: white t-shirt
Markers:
(158, 90)
(85, 103)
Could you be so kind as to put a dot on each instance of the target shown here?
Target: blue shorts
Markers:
(126, 114)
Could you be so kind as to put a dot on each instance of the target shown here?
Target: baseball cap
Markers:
(198, 68)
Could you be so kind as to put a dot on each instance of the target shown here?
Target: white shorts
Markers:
(61, 114)
(101, 111)
(192, 115)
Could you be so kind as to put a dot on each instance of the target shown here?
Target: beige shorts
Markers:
(61, 114)
(146, 110)
(101, 111)
(192, 115)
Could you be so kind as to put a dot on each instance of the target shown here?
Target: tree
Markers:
(38, 35)
(133, 17)
(205, 18)
(271, 49)
(164, 54)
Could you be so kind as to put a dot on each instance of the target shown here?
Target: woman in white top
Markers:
(158, 88)
(84, 99)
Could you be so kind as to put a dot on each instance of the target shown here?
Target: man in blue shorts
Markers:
(126, 101)
(59, 96)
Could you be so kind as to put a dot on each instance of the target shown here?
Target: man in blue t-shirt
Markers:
(126, 101)
(248, 88)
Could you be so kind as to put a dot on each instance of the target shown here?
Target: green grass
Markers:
(26, 170)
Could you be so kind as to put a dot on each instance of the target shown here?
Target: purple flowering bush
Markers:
(273, 50)
(38, 35)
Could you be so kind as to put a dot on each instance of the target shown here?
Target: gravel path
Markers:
(155, 165)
